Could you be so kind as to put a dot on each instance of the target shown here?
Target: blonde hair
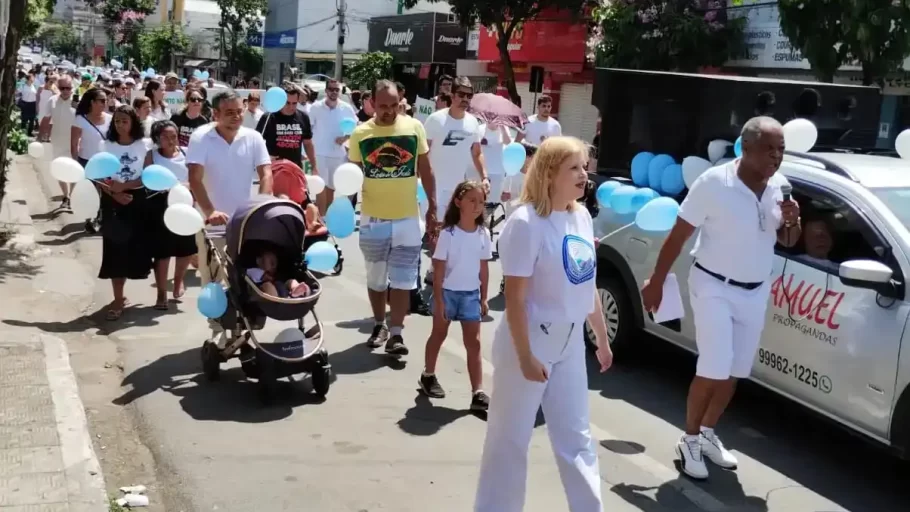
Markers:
(543, 168)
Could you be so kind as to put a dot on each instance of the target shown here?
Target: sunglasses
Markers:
(195, 100)
(65, 88)
(293, 103)
(333, 89)
(462, 94)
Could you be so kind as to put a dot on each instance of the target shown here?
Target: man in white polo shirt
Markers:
(326, 116)
(742, 213)
(56, 126)
(223, 158)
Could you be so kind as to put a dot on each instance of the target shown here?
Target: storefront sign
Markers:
(474, 40)
(285, 39)
(451, 42)
(539, 41)
(406, 41)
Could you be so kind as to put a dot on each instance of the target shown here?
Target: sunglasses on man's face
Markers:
(333, 89)
(292, 103)
(464, 94)
(65, 88)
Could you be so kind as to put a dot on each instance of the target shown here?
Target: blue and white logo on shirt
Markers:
(578, 259)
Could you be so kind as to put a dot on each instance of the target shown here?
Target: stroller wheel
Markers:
(211, 361)
(322, 377)
(339, 266)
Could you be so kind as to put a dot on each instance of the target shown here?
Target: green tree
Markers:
(36, 14)
(371, 67)
(829, 34)
(670, 36)
(124, 21)
(61, 40)
(504, 16)
(237, 18)
(15, 34)
(156, 46)
(249, 60)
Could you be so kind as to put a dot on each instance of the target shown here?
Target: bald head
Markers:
(763, 146)
(755, 127)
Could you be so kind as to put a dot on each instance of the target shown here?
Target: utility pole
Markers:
(339, 50)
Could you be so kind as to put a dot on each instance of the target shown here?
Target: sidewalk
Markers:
(47, 462)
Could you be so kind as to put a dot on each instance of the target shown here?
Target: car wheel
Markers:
(614, 300)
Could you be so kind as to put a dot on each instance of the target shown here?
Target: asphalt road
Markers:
(375, 444)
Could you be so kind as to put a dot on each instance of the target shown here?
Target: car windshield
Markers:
(898, 200)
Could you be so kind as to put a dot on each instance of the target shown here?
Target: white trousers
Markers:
(513, 410)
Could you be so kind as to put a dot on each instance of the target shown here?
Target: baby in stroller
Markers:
(265, 276)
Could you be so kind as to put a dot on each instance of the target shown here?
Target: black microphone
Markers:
(786, 190)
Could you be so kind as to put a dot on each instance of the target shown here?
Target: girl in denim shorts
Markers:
(460, 283)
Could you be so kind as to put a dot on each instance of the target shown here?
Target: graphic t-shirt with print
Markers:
(388, 155)
(132, 159)
(186, 126)
(284, 134)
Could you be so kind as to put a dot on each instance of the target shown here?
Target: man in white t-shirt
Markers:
(495, 137)
(455, 138)
(56, 126)
(541, 125)
(741, 211)
(253, 113)
(328, 139)
(223, 158)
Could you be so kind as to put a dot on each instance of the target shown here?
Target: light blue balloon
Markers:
(640, 168)
(150, 71)
(672, 182)
(621, 199)
(339, 218)
(347, 126)
(102, 166)
(641, 197)
(204, 75)
(605, 190)
(142, 75)
(513, 158)
(98, 71)
(212, 301)
(321, 256)
(197, 73)
(738, 147)
(183, 81)
(656, 170)
(658, 215)
(158, 178)
(274, 100)
(421, 193)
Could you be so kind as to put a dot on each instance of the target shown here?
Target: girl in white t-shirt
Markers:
(460, 283)
(547, 255)
(125, 231)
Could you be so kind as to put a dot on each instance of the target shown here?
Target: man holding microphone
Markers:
(743, 208)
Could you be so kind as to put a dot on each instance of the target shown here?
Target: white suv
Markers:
(834, 337)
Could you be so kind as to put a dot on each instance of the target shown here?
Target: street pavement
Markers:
(376, 444)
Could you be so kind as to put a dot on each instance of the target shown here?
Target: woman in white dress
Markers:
(548, 259)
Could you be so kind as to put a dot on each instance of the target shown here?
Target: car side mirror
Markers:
(869, 274)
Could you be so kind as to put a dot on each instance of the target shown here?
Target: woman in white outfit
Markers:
(549, 262)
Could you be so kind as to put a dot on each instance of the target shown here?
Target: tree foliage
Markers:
(249, 60)
(124, 21)
(8, 59)
(831, 33)
(505, 16)
(237, 18)
(37, 12)
(61, 40)
(156, 46)
(371, 67)
(682, 35)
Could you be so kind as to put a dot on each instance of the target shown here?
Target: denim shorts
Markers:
(461, 306)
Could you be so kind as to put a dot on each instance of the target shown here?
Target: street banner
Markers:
(175, 100)
(423, 108)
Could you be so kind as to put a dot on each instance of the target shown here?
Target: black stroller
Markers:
(277, 225)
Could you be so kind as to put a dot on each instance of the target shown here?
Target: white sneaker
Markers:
(714, 450)
(689, 449)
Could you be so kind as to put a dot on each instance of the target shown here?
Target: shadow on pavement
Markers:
(770, 429)
(359, 359)
(14, 263)
(75, 325)
(233, 398)
(363, 326)
(64, 236)
(133, 316)
(426, 419)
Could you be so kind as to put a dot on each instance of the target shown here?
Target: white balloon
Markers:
(85, 200)
(35, 150)
(717, 149)
(902, 144)
(67, 170)
(800, 135)
(348, 179)
(314, 185)
(179, 194)
(693, 167)
(183, 220)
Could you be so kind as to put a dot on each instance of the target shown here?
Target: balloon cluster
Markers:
(180, 217)
(652, 212)
(340, 218)
(201, 75)
(660, 173)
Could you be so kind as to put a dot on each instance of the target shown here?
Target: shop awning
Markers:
(193, 63)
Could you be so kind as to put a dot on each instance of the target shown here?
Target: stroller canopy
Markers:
(266, 219)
